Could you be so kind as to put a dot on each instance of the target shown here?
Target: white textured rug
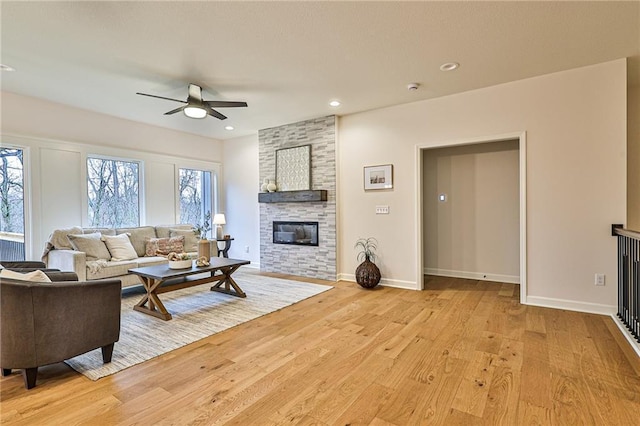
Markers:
(197, 313)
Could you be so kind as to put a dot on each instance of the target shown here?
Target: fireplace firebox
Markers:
(295, 233)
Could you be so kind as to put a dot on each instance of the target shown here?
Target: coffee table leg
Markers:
(229, 283)
(156, 307)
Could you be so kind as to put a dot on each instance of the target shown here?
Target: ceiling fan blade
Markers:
(161, 97)
(173, 111)
(195, 92)
(214, 113)
(225, 104)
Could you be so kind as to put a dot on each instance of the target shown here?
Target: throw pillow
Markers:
(164, 246)
(120, 247)
(91, 244)
(138, 237)
(36, 276)
(190, 239)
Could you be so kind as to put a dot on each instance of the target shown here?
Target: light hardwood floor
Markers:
(461, 352)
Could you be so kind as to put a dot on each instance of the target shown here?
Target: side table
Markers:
(227, 245)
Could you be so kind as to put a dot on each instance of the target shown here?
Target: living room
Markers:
(578, 138)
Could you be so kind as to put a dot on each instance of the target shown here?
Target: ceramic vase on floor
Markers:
(368, 274)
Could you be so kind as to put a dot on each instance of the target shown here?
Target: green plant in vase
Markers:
(367, 273)
(203, 230)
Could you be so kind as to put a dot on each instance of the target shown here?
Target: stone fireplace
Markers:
(316, 260)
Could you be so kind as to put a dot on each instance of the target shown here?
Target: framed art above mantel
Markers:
(293, 168)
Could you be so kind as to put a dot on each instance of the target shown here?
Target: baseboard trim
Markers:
(635, 345)
(512, 279)
(385, 282)
(570, 305)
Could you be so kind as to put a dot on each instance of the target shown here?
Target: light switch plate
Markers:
(382, 209)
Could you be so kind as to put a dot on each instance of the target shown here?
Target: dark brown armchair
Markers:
(45, 323)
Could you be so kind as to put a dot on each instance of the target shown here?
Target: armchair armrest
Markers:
(69, 260)
(13, 264)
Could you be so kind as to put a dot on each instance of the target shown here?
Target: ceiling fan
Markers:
(196, 107)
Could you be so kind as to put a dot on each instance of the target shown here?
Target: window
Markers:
(11, 204)
(113, 192)
(196, 195)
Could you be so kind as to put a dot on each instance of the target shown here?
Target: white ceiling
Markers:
(288, 59)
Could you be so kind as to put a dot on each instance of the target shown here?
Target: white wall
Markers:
(475, 232)
(241, 187)
(57, 140)
(633, 159)
(575, 123)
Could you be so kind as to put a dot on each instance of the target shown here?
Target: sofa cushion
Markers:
(91, 244)
(190, 238)
(120, 247)
(36, 276)
(101, 269)
(164, 231)
(152, 260)
(59, 239)
(138, 237)
(164, 246)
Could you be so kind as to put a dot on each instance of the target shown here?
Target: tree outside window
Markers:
(196, 191)
(11, 204)
(113, 192)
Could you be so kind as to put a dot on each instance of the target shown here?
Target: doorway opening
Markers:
(472, 210)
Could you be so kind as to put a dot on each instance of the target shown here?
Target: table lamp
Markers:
(218, 221)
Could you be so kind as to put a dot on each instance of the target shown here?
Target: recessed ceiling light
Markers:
(228, 127)
(4, 67)
(334, 103)
(449, 66)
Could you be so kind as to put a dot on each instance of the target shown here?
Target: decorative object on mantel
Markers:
(293, 168)
(179, 260)
(293, 196)
(204, 245)
(367, 273)
(219, 220)
(271, 187)
(264, 186)
(378, 177)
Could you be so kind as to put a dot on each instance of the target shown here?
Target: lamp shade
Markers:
(219, 219)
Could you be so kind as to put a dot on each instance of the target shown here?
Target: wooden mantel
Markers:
(293, 196)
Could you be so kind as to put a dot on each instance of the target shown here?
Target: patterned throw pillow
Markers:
(190, 238)
(164, 246)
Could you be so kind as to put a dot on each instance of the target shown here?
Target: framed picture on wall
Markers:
(378, 177)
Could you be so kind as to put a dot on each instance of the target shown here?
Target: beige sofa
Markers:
(61, 254)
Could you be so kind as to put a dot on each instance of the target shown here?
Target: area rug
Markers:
(197, 313)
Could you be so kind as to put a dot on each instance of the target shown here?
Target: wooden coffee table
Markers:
(160, 279)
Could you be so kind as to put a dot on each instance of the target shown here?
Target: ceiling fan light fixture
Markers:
(194, 112)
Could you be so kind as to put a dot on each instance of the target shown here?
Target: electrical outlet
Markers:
(246, 249)
(382, 209)
(600, 279)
